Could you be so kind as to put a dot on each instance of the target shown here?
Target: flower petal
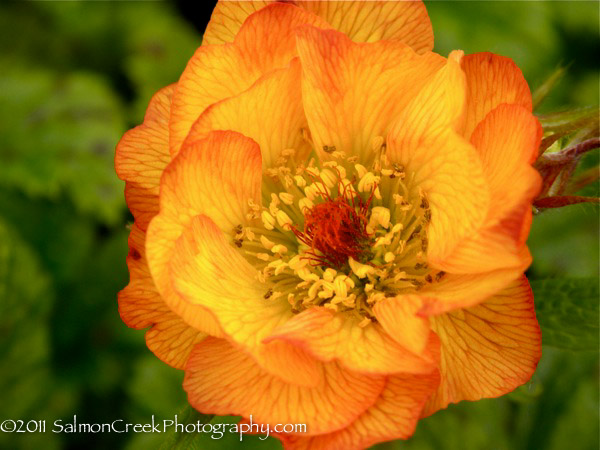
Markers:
(141, 156)
(265, 42)
(212, 74)
(141, 306)
(218, 376)
(487, 350)
(455, 291)
(270, 112)
(491, 80)
(352, 92)
(398, 317)
(329, 336)
(216, 176)
(405, 21)
(227, 19)
(393, 416)
(443, 166)
(207, 272)
(507, 141)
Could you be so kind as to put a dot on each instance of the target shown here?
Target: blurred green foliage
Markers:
(75, 75)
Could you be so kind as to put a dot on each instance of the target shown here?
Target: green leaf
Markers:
(26, 379)
(176, 439)
(59, 134)
(567, 310)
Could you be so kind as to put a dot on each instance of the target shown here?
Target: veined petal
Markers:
(491, 80)
(405, 21)
(443, 166)
(398, 317)
(142, 202)
(216, 177)
(212, 74)
(141, 306)
(332, 336)
(227, 19)
(455, 291)
(497, 247)
(269, 35)
(393, 416)
(352, 92)
(487, 350)
(207, 272)
(507, 140)
(218, 376)
(270, 112)
(141, 156)
(266, 41)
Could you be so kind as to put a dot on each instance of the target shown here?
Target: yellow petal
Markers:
(270, 112)
(266, 41)
(222, 380)
(404, 21)
(216, 176)
(141, 306)
(212, 74)
(329, 336)
(393, 416)
(455, 291)
(491, 80)
(208, 273)
(352, 92)
(487, 350)
(444, 166)
(227, 19)
(398, 317)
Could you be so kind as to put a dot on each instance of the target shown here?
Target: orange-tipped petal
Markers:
(207, 272)
(491, 80)
(398, 317)
(216, 177)
(141, 156)
(212, 74)
(266, 41)
(141, 306)
(487, 350)
(507, 140)
(270, 112)
(227, 19)
(332, 336)
(393, 416)
(269, 35)
(352, 92)
(443, 166)
(405, 21)
(218, 376)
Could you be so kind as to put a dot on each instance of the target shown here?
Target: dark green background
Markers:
(74, 77)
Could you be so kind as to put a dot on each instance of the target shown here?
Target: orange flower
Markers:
(330, 221)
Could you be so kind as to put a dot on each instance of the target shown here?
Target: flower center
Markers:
(336, 230)
(338, 235)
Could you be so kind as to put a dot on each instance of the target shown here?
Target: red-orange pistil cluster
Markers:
(336, 229)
